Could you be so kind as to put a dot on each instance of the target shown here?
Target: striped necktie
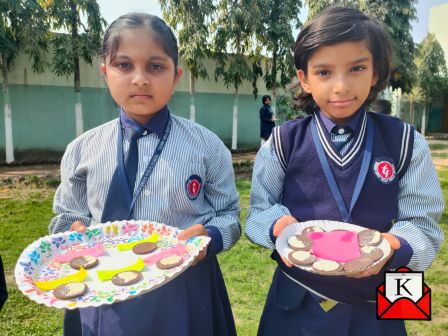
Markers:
(340, 136)
(131, 159)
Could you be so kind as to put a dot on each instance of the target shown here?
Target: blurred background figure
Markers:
(267, 120)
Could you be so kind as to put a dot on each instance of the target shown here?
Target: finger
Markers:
(286, 262)
(195, 230)
(278, 228)
(78, 226)
(394, 242)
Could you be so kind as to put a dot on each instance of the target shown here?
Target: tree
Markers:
(22, 27)
(83, 41)
(276, 36)
(431, 72)
(235, 30)
(316, 6)
(397, 17)
(189, 21)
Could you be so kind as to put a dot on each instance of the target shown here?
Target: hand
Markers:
(279, 226)
(78, 226)
(394, 243)
(195, 230)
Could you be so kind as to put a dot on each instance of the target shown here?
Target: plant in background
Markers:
(22, 27)
(189, 20)
(234, 30)
(83, 41)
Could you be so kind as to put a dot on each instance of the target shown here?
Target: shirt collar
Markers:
(353, 123)
(155, 125)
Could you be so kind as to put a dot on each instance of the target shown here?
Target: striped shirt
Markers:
(90, 160)
(420, 203)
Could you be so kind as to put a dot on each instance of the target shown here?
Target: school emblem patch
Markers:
(384, 170)
(193, 186)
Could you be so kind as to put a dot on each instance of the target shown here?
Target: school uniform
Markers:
(266, 123)
(375, 172)
(196, 302)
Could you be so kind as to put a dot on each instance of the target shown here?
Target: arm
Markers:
(220, 191)
(420, 206)
(70, 200)
(265, 198)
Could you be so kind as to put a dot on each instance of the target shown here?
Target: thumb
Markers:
(195, 230)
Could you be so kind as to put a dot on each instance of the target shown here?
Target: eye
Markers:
(155, 66)
(322, 73)
(358, 68)
(124, 65)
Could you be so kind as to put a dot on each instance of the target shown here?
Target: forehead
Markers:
(139, 42)
(341, 54)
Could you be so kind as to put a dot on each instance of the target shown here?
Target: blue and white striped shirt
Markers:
(420, 203)
(90, 160)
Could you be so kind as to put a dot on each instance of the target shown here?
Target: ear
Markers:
(374, 79)
(303, 82)
(178, 75)
(103, 71)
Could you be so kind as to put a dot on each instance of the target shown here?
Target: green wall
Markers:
(43, 117)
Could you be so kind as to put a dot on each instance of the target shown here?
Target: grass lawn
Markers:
(247, 270)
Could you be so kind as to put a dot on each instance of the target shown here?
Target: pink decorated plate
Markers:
(343, 253)
(45, 262)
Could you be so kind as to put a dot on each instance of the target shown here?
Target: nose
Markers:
(342, 84)
(140, 78)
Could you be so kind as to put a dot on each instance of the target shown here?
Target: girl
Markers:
(345, 164)
(149, 164)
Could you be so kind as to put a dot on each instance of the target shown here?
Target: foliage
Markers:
(316, 6)
(278, 17)
(397, 17)
(431, 71)
(188, 19)
(83, 40)
(22, 27)
(234, 30)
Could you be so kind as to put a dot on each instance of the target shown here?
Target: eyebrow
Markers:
(323, 65)
(150, 59)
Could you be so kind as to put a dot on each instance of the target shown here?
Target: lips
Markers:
(342, 102)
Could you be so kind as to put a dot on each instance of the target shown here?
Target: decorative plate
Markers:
(44, 264)
(284, 250)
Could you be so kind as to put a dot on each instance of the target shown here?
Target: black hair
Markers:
(162, 33)
(265, 97)
(336, 25)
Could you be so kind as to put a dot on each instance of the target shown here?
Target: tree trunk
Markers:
(9, 145)
(77, 76)
(423, 128)
(192, 98)
(274, 84)
(235, 121)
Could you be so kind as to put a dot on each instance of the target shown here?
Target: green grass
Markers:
(247, 270)
(437, 146)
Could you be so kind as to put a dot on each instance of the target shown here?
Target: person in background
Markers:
(267, 120)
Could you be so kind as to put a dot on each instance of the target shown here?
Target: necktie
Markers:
(340, 136)
(131, 160)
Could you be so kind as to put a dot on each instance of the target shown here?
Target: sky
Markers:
(113, 9)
